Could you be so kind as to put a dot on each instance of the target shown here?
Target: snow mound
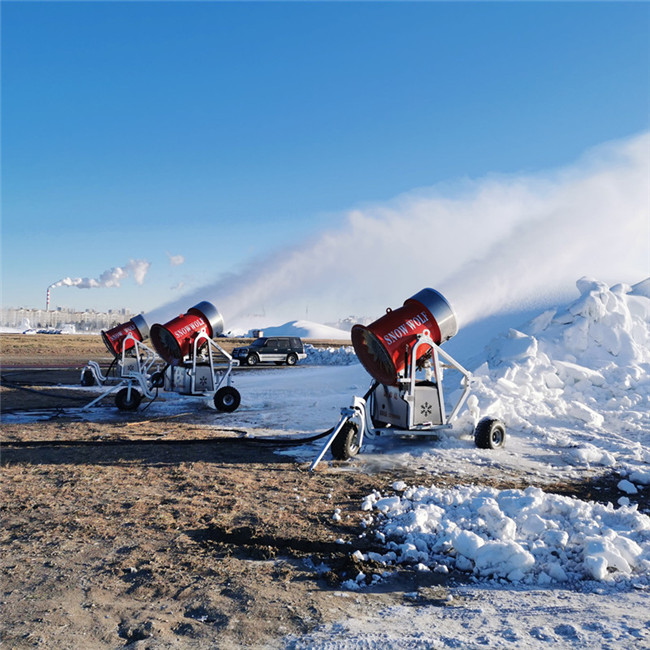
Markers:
(307, 330)
(343, 356)
(524, 536)
(578, 377)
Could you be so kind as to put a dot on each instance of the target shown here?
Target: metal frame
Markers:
(144, 357)
(360, 409)
(216, 385)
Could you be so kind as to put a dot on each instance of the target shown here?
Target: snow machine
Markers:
(402, 352)
(196, 364)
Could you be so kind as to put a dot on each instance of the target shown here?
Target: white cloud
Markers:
(176, 260)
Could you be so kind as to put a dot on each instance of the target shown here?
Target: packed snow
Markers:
(342, 356)
(578, 379)
(525, 536)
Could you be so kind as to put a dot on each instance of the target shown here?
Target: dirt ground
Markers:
(173, 532)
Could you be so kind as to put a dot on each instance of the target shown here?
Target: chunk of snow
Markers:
(627, 487)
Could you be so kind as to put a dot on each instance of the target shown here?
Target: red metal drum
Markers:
(114, 339)
(383, 347)
(174, 340)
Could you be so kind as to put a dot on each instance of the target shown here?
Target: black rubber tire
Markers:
(490, 434)
(123, 402)
(292, 359)
(157, 379)
(252, 360)
(227, 399)
(346, 443)
(87, 379)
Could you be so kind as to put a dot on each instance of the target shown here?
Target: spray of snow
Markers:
(489, 245)
(110, 278)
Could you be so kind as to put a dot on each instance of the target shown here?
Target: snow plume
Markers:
(111, 278)
(487, 245)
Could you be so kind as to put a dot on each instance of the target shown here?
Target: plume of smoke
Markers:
(110, 278)
(487, 245)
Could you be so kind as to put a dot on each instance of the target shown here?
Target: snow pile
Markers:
(307, 330)
(578, 378)
(343, 356)
(524, 536)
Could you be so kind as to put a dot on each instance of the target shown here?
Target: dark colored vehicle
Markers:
(275, 349)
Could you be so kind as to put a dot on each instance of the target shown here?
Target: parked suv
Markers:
(278, 349)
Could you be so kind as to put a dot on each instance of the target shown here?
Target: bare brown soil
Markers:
(60, 350)
(173, 532)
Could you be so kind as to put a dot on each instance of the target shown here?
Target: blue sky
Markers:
(225, 132)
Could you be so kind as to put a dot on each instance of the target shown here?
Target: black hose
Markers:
(293, 442)
(150, 402)
(131, 441)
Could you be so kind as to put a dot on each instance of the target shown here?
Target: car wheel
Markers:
(227, 399)
(346, 443)
(490, 434)
(292, 359)
(126, 403)
(252, 360)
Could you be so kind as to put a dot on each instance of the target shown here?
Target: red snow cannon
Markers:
(114, 339)
(174, 340)
(383, 347)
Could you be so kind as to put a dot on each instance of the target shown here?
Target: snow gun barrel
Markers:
(173, 341)
(383, 346)
(114, 339)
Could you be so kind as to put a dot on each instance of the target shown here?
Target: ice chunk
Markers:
(585, 413)
(573, 372)
(627, 487)
(467, 543)
(501, 558)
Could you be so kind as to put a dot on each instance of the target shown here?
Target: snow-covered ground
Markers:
(543, 570)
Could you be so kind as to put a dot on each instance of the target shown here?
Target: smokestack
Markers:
(47, 300)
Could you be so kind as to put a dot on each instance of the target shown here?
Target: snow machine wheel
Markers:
(346, 443)
(157, 380)
(490, 434)
(252, 360)
(124, 403)
(292, 359)
(227, 399)
(87, 379)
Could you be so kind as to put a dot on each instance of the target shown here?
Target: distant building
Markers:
(84, 321)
